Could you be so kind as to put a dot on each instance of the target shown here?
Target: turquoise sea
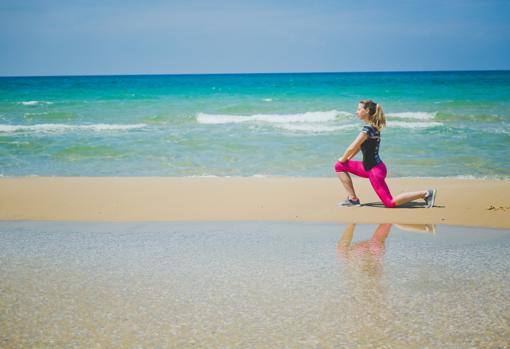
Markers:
(440, 124)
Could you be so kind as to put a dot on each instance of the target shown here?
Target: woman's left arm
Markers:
(354, 148)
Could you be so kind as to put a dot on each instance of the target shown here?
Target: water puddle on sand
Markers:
(253, 284)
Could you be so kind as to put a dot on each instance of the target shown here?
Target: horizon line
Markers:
(259, 73)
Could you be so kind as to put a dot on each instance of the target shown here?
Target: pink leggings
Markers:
(376, 175)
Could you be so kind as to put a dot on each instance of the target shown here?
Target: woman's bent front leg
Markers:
(342, 171)
(346, 180)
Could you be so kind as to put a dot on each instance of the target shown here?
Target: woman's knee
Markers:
(339, 167)
(389, 203)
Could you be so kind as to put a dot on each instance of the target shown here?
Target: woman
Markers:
(372, 166)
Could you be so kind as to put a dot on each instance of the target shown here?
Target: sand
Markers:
(251, 285)
(483, 203)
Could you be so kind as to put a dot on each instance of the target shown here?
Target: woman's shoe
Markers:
(348, 202)
(431, 197)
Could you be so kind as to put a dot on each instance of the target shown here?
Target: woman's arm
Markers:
(354, 148)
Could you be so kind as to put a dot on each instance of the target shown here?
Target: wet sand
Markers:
(252, 284)
(483, 203)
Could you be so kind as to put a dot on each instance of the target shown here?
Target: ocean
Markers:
(439, 124)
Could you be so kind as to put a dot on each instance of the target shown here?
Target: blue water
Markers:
(440, 124)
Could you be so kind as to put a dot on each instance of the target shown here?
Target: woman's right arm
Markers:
(354, 148)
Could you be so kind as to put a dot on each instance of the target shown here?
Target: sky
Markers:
(110, 37)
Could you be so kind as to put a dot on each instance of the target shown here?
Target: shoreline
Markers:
(464, 202)
(268, 176)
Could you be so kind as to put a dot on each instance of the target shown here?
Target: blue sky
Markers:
(54, 37)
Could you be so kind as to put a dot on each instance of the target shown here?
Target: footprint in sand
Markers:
(500, 208)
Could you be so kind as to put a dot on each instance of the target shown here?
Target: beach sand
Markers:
(484, 203)
(251, 285)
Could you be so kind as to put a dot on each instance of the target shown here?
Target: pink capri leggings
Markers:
(376, 175)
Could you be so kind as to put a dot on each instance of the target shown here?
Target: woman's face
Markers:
(362, 112)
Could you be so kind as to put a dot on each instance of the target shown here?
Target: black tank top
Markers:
(370, 147)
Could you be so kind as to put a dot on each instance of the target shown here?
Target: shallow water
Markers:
(253, 284)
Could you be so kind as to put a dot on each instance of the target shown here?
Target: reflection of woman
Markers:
(368, 253)
(372, 250)
(372, 167)
(367, 297)
(420, 228)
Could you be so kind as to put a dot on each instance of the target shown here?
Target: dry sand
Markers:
(459, 201)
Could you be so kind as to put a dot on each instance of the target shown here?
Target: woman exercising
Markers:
(372, 166)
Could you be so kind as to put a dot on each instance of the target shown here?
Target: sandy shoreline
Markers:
(460, 201)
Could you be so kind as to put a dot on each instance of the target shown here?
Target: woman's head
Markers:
(371, 112)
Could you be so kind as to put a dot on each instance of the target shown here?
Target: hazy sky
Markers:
(66, 37)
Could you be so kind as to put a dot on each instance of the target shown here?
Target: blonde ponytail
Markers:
(378, 120)
(375, 114)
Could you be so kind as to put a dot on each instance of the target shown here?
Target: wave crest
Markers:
(307, 117)
(316, 128)
(419, 115)
(65, 127)
(34, 102)
(414, 124)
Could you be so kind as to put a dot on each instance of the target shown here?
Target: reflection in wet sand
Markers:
(260, 285)
(365, 286)
(368, 254)
(420, 228)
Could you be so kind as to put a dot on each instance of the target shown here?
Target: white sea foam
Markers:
(307, 117)
(65, 127)
(34, 102)
(240, 176)
(316, 128)
(34, 114)
(205, 176)
(413, 124)
(316, 121)
(267, 99)
(419, 115)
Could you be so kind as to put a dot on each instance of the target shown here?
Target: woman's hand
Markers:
(342, 159)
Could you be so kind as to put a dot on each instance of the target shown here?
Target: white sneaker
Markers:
(348, 202)
(431, 198)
